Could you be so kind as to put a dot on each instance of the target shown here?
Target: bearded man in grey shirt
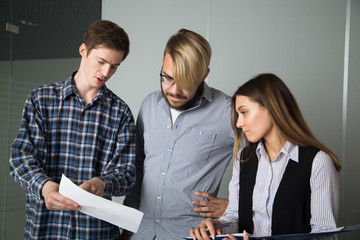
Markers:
(184, 144)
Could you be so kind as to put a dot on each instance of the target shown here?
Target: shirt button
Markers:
(167, 126)
(157, 221)
(158, 197)
(264, 210)
(201, 133)
(163, 173)
(169, 149)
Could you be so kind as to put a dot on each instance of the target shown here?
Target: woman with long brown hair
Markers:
(284, 180)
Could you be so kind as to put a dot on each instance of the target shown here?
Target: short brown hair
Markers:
(108, 34)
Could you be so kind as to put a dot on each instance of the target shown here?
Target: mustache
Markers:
(176, 95)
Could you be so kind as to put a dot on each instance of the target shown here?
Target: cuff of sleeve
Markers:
(37, 184)
(109, 186)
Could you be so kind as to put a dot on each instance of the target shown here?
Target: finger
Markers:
(203, 235)
(87, 186)
(66, 203)
(210, 227)
(232, 237)
(246, 237)
(201, 203)
(204, 209)
(59, 202)
(205, 195)
(198, 234)
(95, 186)
(57, 196)
(209, 214)
(192, 234)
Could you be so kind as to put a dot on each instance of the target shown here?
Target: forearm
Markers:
(119, 175)
(26, 160)
(27, 174)
(119, 182)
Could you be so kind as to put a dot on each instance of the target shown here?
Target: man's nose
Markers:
(105, 70)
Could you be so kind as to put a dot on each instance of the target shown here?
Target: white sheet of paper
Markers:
(104, 209)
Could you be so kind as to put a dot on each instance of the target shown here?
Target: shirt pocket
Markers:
(195, 146)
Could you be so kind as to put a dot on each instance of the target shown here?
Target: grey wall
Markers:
(303, 42)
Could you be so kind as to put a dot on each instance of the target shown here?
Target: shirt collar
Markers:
(207, 94)
(289, 149)
(292, 151)
(70, 89)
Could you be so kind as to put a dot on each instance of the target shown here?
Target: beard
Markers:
(190, 103)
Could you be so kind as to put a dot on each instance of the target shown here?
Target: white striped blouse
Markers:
(324, 183)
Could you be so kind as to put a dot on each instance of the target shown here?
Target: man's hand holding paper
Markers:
(54, 200)
(95, 186)
(115, 213)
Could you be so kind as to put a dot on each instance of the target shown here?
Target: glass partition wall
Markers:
(39, 45)
(5, 70)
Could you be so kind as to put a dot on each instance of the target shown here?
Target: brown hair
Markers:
(191, 54)
(270, 92)
(108, 34)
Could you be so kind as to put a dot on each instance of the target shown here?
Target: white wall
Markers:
(303, 42)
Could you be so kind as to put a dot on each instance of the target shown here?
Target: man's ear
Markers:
(83, 50)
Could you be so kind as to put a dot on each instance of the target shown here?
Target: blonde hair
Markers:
(270, 92)
(191, 54)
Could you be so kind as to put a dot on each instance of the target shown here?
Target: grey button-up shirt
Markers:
(175, 160)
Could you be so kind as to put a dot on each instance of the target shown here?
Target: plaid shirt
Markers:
(59, 134)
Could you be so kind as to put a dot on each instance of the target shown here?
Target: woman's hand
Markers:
(206, 227)
(231, 237)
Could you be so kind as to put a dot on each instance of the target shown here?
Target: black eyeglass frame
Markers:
(165, 76)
